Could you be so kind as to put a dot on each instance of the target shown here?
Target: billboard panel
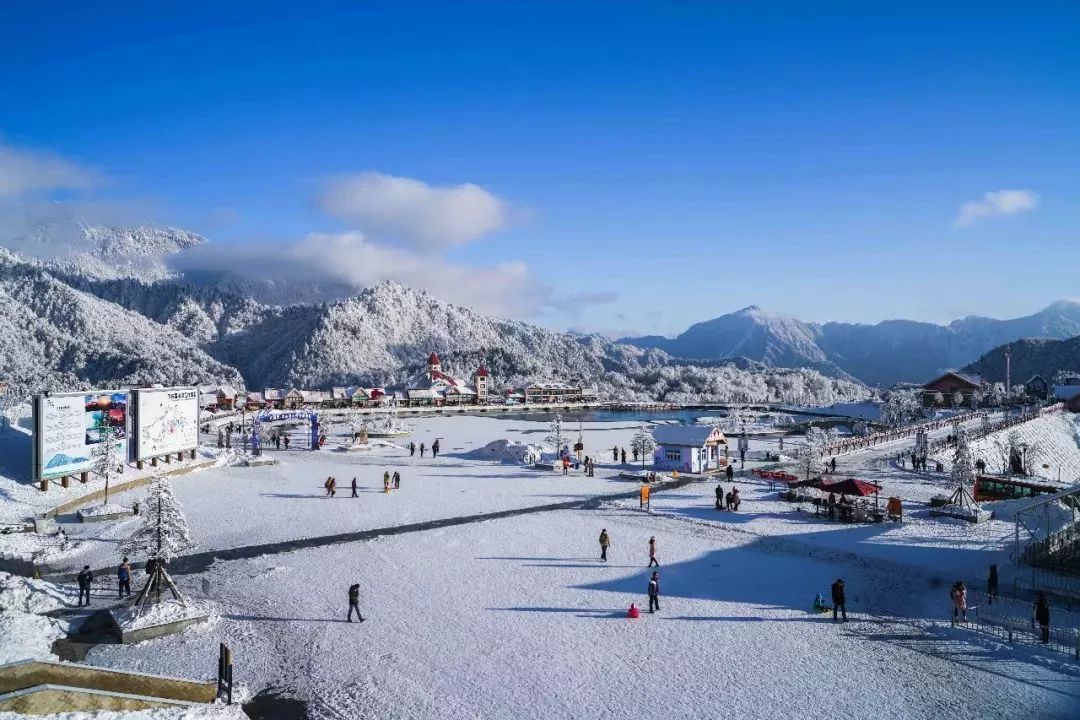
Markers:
(166, 420)
(67, 426)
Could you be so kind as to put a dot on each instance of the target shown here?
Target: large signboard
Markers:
(67, 426)
(165, 420)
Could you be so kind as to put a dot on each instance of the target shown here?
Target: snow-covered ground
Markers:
(517, 617)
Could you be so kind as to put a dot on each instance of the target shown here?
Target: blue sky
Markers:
(639, 166)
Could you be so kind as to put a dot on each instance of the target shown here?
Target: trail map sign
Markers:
(165, 421)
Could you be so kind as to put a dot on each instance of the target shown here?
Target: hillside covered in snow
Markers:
(89, 316)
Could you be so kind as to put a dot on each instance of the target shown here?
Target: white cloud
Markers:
(995, 204)
(26, 171)
(412, 212)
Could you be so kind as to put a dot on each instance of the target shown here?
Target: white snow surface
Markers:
(517, 616)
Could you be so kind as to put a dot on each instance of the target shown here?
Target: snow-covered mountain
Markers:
(68, 329)
(101, 305)
(885, 353)
(1038, 356)
(67, 242)
(383, 336)
(53, 336)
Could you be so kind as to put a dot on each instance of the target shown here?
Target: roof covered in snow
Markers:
(687, 435)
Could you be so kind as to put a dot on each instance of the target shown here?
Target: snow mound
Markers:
(166, 611)
(510, 452)
(25, 634)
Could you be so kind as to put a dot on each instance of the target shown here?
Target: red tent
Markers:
(851, 486)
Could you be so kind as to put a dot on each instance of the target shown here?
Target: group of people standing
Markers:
(729, 500)
(423, 449)
(391, 481)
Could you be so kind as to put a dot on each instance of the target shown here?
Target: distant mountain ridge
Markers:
(79, 318)
(1030, 357)
(882, 354)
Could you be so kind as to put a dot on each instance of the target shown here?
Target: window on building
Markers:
(673, 454)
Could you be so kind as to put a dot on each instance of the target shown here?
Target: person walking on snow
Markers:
(605, 542)
(992, 585)
(123, 578)
(422, 448)
(615, 454)
(386, 481)
(735, 501)
(839, 602)
(719, 496)
(652, 552)
(1042, 616)
(286, 441)
(354, 602)
(624, 456)
(397, 480)
(958, 594)
(654, 592)
(435, 449)
(412, 449)
(566, 466)
(333, 487)
(354, 488)
(730, 471)
(832, 464)
(326, 486)
(84, 579)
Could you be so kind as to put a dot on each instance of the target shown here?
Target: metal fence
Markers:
(1013, 620)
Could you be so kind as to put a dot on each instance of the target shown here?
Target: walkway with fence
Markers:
(1013, 620)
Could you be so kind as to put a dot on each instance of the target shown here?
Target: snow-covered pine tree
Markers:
(556, 437)
(957, 399)
(643, 443)
(939, 399)
(814, 453)
(963, 468)
(162, 535)
(106, 458)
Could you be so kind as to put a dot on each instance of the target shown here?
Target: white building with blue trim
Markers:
(689, 448)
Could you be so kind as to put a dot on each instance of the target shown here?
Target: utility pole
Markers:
(1008, 372)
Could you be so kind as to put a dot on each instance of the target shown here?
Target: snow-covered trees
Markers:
(556, 437)
(957, 399)
(107, 460)
(163, 533)
(643, 443)
(963, 468)
(812, 456)
(899, 407)
(996, 394)
(939, 399)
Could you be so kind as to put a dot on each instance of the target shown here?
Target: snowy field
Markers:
(517, 617)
